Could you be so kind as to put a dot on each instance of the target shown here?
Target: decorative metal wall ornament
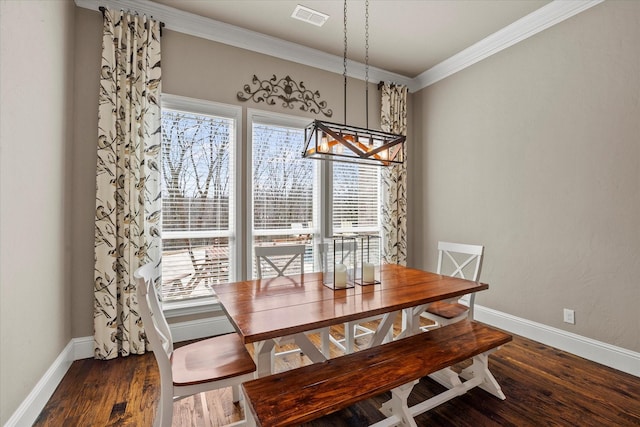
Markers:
(287, 91)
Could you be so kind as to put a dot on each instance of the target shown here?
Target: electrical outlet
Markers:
(569, 316)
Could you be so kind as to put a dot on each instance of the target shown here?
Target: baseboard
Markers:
(606, 354)
(30, 409)
(82, 348)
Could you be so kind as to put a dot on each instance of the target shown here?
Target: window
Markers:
(356, 198)
(198, 189)
(283, 187)
(292, 203)
(208, 234)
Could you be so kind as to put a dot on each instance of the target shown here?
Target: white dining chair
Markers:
(208, 364)
(454, 259)
(278, 261)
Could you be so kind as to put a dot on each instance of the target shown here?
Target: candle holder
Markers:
(339, 263)
(368, 271)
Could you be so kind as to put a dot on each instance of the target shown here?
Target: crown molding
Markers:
(537, 21)
(198, 26)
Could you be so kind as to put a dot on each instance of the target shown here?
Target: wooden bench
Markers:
(303, 394)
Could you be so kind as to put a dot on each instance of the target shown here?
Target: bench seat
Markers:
(306, 393)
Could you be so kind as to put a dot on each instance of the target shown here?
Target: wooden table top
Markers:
(270, 308)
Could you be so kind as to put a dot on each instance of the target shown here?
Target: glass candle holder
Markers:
(340, 262)
(368, 271)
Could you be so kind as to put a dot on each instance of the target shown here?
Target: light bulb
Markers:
(324, 144)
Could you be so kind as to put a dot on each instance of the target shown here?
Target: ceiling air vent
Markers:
(309, 15)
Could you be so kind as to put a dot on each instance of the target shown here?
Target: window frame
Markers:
(236, 202)
(241, 201)
(324, 185)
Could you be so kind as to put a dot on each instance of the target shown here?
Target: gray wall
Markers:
(535, 153)
(36, 83)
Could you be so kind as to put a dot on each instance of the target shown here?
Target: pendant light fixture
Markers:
(343, 143)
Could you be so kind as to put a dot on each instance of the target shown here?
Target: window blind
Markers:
(356, 198)
(197, 202)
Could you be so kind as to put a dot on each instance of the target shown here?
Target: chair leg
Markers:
(235, 392)
(164, 415)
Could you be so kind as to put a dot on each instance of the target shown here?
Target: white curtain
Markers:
(127, 178)
(393, 119)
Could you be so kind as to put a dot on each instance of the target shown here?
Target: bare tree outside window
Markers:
(283, 181)
(196, 184)
(283, 189)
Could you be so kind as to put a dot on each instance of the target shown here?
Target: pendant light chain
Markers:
(344, 62)
(343, 143)
(366, 59)
(366, 62)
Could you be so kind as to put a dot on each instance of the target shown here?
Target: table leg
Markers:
(384, 327)
(263, 355)
(411, 321)
(307, 347)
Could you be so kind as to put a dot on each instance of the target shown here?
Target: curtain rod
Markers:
(382, 83)
(103, 9)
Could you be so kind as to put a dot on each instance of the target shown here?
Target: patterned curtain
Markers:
(127, 178)
(393, 118)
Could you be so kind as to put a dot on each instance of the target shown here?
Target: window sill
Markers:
(190, 307)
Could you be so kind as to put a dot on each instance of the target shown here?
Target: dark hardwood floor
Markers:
(544, 387)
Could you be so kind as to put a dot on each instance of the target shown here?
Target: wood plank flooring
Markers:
(544, 387)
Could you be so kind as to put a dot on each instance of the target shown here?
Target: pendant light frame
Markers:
(342, 143)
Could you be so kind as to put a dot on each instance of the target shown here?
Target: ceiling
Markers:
(406, 37)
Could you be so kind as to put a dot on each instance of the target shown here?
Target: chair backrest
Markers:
(155, 324)
(279, 258)
(456, 258)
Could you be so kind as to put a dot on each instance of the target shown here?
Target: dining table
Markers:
(265, 310)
